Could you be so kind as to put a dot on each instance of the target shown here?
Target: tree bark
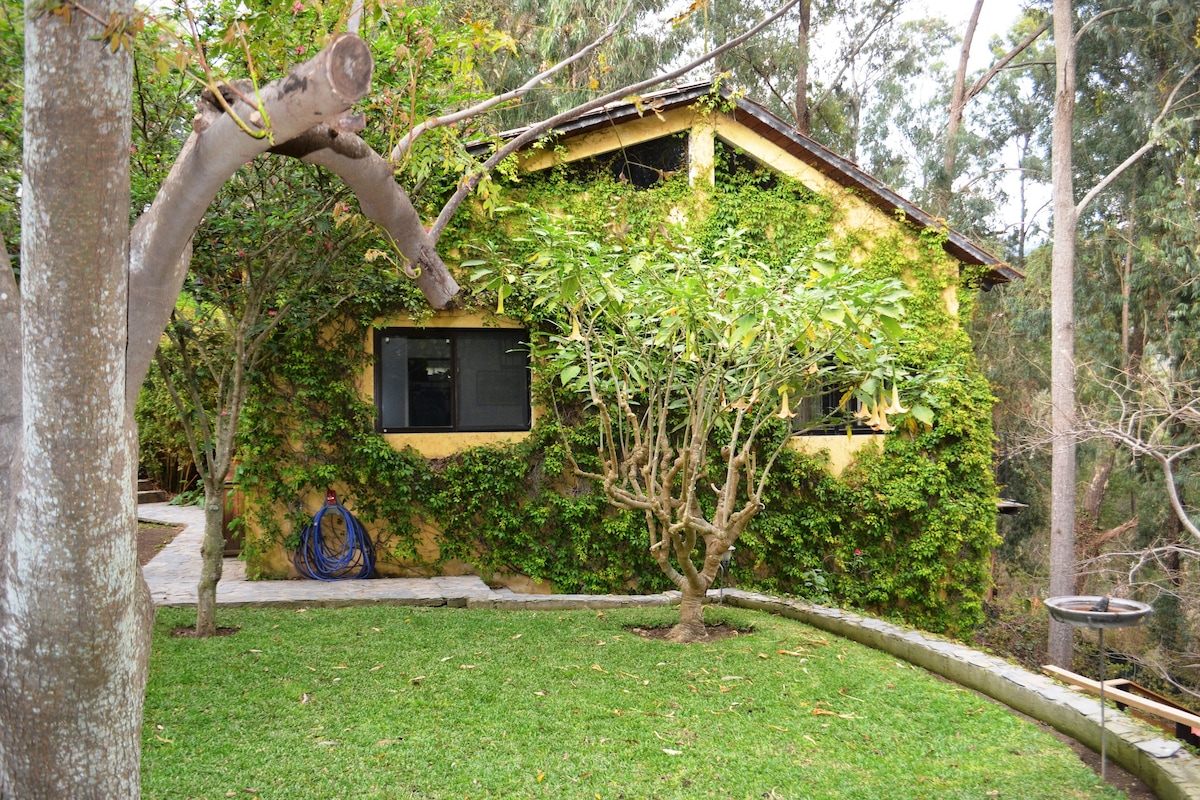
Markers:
(690, 627)
(1062, 335)
(94, 299)
(382, 200)
(319, 90)
(212, 558)
(75, 614)
(803, 112)
(958, 101)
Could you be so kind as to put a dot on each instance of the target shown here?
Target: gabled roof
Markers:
(773, 129)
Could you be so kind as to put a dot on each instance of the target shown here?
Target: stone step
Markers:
(151, 496)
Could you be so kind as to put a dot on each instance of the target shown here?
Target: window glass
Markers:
(468, 380)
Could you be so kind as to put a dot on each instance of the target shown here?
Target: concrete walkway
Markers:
(172, 576)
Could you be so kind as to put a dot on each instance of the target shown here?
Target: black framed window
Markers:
(822, 411)
(451, 379)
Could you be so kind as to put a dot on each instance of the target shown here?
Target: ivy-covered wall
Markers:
(906, 530)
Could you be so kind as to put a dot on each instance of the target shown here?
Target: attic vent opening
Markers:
(643, 165)
(733, 161)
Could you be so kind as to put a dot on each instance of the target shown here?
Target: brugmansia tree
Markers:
(693, 362)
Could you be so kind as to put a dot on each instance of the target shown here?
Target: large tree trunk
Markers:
(690, 627)
(1062, 336)
(75, 614)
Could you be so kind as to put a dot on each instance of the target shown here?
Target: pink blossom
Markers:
(857, 552)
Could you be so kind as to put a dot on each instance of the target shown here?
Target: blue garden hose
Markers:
(335, 558)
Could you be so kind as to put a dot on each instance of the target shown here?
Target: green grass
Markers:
(388, 702)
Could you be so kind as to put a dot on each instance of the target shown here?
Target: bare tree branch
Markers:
(1003, 62)
(1150, 144)
(449, 119)
(321, 89)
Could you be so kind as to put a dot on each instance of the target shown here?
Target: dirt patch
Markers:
(716, 631)
(153, 537)
(188, 632)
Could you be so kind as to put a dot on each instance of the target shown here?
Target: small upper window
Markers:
(451, 380)
(642, 165)
(819, 415)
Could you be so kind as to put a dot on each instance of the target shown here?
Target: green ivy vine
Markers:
(906, 531)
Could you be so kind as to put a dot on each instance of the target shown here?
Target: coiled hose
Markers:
(338, 557)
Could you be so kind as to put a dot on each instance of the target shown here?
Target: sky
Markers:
(996, 17)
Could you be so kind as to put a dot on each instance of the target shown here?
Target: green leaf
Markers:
(569, 374)
(922, 414)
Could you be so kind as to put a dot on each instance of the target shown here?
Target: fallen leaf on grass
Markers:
(466, 666)
(598, 668)
(671, 752)
(843, 693)
(541, 776)
(820, 712)
(305, 699)
(161, 739)
(341, 666)
(417, 679)
(377, 666)
(789, 653)
(518, 636)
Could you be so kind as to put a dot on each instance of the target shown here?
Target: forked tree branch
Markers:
(404, 144)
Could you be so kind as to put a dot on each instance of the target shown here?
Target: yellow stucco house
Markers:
(460, 380)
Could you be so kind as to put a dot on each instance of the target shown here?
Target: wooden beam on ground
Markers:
(1120, 696)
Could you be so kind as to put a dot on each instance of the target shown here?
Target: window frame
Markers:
(452, 334)
(836, 423)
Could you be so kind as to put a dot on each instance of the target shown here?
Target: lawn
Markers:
(393, 702)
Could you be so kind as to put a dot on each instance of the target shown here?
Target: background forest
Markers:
(878, 81)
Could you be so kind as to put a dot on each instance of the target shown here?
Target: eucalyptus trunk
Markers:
(1062, 335)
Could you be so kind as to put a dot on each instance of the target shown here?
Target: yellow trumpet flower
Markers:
(784, 411)
(894, 407)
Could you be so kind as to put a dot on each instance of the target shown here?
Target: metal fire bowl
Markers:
(1073, 610)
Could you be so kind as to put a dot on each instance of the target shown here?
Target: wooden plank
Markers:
(1120, 696)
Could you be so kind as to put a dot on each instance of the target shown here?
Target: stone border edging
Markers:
(1164, 765)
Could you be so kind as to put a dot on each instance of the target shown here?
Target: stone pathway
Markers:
(172, 576)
